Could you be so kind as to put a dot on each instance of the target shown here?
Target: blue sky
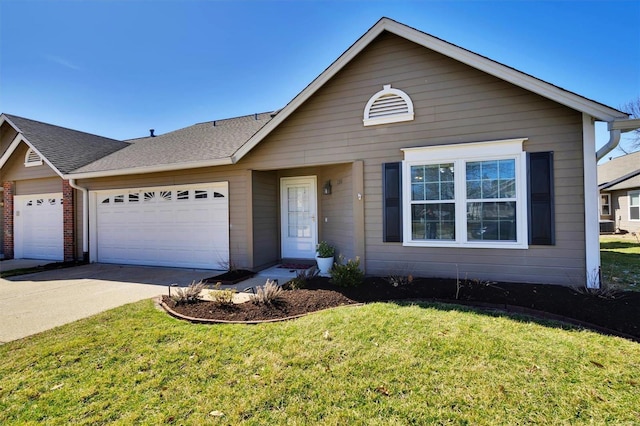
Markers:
(119, 68)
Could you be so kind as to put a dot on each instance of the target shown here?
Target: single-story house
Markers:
(619, 185)
(414, 154)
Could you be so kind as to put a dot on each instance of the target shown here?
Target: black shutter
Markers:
(541, 205)
(392, 202)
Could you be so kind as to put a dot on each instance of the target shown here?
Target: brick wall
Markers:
(68, 222)
(7, 211)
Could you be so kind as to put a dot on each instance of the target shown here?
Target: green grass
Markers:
(379, 364)
(620, 258)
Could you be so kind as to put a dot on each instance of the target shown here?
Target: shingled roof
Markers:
(620, 173)
(197, 144)
(65, 149)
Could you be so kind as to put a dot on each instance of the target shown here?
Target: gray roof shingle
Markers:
(620, 173)
(66, 149)
(212, 140)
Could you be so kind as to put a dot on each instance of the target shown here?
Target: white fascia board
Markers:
(150, 169)
(624, 126)
(579, 103)
(14, 145)
(542, 88)
(316, 84)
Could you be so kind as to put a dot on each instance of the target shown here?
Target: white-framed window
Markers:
(388, 106)
(469, 195)
(634, 205)
(605, 204)
(32, 158)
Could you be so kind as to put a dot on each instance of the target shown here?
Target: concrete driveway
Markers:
(33, 303)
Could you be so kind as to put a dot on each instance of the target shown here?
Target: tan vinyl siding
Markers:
(38, 186)
(14, 168)
(1, 222)
(266, 241)
(453, 104)
(7, 135)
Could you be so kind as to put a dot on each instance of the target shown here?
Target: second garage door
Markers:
(180, 226)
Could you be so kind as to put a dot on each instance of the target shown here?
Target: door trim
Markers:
(314, 213)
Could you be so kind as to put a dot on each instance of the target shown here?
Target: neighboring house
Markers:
(416, 155)
(619, 185)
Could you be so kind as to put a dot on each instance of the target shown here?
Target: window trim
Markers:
(460, 155)
(629, 193)
(28, 158)
(608, 203)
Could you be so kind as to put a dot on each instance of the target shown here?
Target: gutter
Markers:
(85, 217)
(616, 128)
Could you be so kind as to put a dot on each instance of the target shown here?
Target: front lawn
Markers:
(620, 258)
(382, 363)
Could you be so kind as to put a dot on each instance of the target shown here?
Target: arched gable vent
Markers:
(32, 158)
(388, 106)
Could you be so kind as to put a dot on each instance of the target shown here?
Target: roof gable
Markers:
(61, 148)
(511, 75)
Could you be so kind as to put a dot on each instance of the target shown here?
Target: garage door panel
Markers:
(38, 226)
(173, 226)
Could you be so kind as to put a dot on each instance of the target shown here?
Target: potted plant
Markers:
(325, 253)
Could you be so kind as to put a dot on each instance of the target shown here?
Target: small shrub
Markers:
(347, 274)
(267, 294)
(399, 280)
(222, 297)
(189, 294)
(324, 249)
(303, 276)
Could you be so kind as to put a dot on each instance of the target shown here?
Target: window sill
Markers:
(471, 245)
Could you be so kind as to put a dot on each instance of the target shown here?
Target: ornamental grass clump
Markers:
(268, 294)
(347, 274)
(189, 294)
(222, 297)
(303, 276)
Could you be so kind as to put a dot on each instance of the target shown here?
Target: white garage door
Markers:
(38, 226)
(181, 226)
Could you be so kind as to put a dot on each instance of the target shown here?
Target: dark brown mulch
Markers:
(230, 277)
(292, 303)
(619, 312)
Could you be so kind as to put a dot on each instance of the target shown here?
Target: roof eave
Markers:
(150, 169)
(20, 137)
(594, 109)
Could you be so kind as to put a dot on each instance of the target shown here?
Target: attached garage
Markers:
(38, 224)
(179, 226)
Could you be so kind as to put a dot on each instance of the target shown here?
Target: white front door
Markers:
(38, 226)
(298, 215)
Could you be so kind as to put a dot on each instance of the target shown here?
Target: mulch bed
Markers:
(618, 312)
(230, 277)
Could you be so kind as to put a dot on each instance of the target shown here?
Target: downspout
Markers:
(614, 139)
(85, 218)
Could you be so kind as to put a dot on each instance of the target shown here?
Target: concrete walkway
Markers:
(33, 303)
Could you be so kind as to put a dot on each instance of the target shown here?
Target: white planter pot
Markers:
(324, 264)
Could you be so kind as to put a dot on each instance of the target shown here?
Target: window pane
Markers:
(634, 213)
(433, 221)
(432, 182)
(634, 199)
(417, 191)
(491, 221)
(491, 179)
